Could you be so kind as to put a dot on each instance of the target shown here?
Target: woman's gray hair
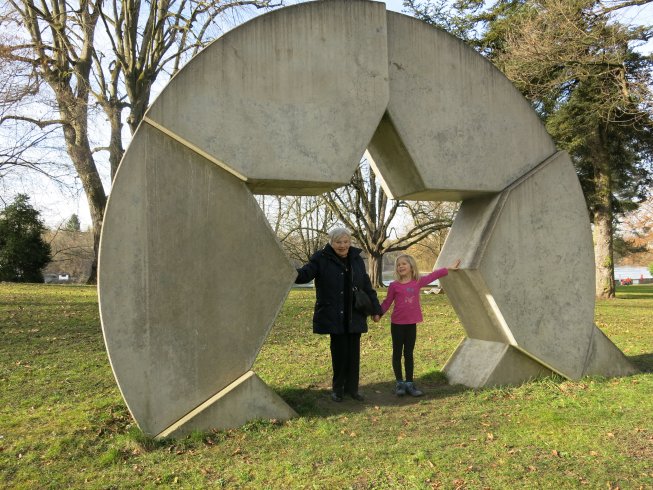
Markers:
(336, 233)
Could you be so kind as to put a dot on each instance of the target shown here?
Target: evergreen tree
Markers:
(23, 252)
(72, 224)
(578, 67)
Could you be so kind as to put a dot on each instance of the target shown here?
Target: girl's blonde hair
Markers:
(413, 266)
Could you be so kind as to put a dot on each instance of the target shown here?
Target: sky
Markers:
(57, 204)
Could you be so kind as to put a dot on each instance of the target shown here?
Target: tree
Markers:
(300, 223)
(578, 67)
(378, 225)
(634, 242)
(593, 90)
(72, 224)
(23, 252)
(426, 251)
(72, 253)
(76, 71)
(19, 141)
(308, 222)
(364, 208)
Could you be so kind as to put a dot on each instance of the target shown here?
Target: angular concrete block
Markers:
(528, 277)
(605, 359)
(482, 364)
(455, 126)
(290, 99)
(248, 398)
(191, 279)
(476, 307)
(538, 264)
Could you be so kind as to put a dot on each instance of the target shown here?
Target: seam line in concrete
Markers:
(200, 408)
(496, 312)
(488, 229)
(544, 163)
(194, 148)
(540, 361)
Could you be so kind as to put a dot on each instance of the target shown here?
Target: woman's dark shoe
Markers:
(357, 396)
(336, 397)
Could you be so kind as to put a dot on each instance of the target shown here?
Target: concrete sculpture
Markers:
(192, 277)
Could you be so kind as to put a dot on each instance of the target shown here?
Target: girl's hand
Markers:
(376, 318)
(455, 265)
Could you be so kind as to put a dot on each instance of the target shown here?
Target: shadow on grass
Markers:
(643, 362)
(315, 401)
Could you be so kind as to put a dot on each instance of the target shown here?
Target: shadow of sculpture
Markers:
(643, 362)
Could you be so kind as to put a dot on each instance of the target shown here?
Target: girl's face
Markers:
(403, 268)
(341, 245)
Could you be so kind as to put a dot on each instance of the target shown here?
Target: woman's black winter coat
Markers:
(330, 297)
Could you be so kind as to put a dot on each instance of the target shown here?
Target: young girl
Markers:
(404, 292)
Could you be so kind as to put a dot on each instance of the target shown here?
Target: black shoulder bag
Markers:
(362, 302)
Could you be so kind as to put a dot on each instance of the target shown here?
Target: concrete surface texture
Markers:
(191, 275)
(528, 278)
(455, 127)
(288, 100)
(192, 278)
(245, 399)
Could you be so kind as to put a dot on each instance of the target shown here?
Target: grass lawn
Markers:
(63, 423)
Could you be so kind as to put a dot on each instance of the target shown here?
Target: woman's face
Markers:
(341, 245)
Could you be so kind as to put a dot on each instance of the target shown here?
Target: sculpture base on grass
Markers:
(248, 398)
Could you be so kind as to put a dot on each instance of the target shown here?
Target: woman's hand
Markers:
(376, 318)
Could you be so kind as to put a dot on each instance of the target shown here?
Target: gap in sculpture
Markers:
(287, 103)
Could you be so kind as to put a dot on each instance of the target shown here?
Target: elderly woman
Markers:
(337, 269)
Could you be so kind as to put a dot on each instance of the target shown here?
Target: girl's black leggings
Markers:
(403, 340)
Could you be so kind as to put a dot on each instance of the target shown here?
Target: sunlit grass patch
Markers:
(63, 423)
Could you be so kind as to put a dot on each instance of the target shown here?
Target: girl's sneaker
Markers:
(400, 389)
(412, 390)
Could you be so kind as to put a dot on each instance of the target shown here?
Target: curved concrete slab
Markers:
(455, 126)
(288, 100)
(191, 279)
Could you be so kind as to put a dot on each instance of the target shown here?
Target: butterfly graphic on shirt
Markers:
(410, 297)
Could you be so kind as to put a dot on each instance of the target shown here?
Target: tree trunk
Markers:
(375, 265)
(139, 97)
(603, 228)
(603, 252)
(116, 150)
(79, 149)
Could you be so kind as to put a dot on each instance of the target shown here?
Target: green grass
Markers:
(63, 423)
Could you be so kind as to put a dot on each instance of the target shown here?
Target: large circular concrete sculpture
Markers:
(192, 277)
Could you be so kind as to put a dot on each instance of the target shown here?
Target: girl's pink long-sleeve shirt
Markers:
(407, 308)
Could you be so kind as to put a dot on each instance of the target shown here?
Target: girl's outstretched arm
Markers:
(437, 274)
(455, 266)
